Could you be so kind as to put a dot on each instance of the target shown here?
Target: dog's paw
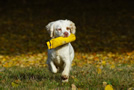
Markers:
(64, 78)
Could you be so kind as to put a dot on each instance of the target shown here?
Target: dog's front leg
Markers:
(52, 67)
(66, 71)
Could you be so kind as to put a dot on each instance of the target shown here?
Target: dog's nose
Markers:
(65, 34)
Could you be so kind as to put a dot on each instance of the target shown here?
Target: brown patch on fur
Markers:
(71, 27)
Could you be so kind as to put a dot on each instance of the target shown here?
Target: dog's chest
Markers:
(57, 58)
(59, 55)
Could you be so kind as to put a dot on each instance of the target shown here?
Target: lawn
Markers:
(104, 49)
(85, 77)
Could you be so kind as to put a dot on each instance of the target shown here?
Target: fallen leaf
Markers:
(99, 71)
(109, 87)
(104, 84)
(73, 87)
(103, 62)
(112, 66)
(14, 84)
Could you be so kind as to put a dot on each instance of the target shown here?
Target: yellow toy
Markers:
(53, 43)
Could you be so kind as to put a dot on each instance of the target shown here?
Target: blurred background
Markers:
(102, 25)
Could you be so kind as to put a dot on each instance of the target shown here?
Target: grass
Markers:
(82, 77)
(104, 49)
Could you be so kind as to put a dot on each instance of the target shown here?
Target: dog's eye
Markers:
(59, 29)
(68, 28)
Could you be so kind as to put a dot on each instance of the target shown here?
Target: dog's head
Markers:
(61, 28)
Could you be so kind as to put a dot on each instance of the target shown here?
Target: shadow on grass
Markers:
(101, 25)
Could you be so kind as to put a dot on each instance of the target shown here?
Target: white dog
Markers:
(60, 58)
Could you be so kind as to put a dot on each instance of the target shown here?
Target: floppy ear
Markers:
(50, 29)
(73, 27)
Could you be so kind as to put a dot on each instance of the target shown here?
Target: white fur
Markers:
(60, 58)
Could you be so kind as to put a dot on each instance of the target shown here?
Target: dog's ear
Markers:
(50, 29)
(72, 27)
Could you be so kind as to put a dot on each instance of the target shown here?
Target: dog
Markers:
(60, 58)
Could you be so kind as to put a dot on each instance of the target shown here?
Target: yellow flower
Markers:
(109, 87)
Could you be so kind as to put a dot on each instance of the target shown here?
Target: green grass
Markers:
(84, 77)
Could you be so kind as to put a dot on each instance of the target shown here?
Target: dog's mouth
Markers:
(65, 36)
